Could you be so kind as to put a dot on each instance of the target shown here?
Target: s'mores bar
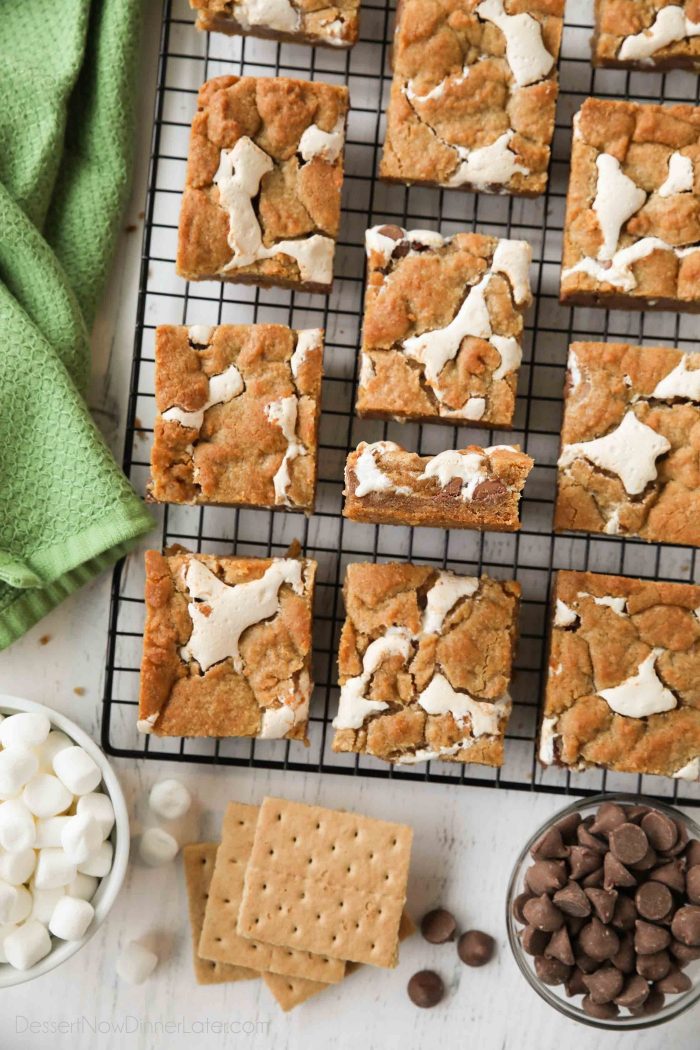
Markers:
(623, 671)
(226, 646)
(629, 462)
(647, 34)
(474, 93)
(238, 409)
(469, 488)
(443, 325)
(632, 227)
(425, 664)
(307, 22)
(264, 174)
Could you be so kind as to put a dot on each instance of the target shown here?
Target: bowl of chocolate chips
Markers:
(603, 912)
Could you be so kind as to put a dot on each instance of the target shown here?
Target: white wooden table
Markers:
(465, 843)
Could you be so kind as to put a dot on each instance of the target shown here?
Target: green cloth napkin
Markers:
(66, 109)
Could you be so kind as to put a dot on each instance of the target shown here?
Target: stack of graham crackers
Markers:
(298, 895)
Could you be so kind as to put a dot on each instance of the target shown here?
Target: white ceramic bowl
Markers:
(109, 886)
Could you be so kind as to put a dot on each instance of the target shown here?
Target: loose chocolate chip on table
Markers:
(582, 861)
(475, 948)
(692, 854)
(608, 817)
(674, 982)
(671, 874)
(586, 839)
(625, 914)
(603, 902)
(628, 843)
(684, 953)
(534, 941)
(575, 985)
(654, 967)
(425, 989)
(545, 876)
(601, 1011)
(599, 941)
(541, 913)
(661, 831)
(518, 904)
(438, 926)
(572, 900)
(653, 900)
(626, 958)
(649, 938)
(653, 1004)
(616, 874)
(550, 846)
(634, 992)
(604, 984)
(686, 925)
(559, 947)
(692, 882)
(551, 971)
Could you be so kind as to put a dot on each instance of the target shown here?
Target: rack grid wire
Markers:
(186, 60)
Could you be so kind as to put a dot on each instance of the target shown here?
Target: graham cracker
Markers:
(219, 940)
(292, 991)
(326, 881)
(198, 862)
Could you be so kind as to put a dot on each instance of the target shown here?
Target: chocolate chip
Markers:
(425, 989)
(648, 861)
(534, 941)
(575, 985)
(542, 914)
(582, 861)
(671, 874)
(653, 1004)
(475, 948)
(628, 843)
(681, 842)
(654, 967)
(489, 492)
(595, 879)
(575, 923)
(686, 925)
(601, 1011)
(551, 971)
(550, 846)
(438, 926)
(559, 947)
(626, 957)
(649, 938)
(572, 900)
(401, 250)
(598, 941)
(692, 854)
(545, 876)
(586, 839)
(394, 233)
(634, 993)
(692, 882)
(616, 874)
(603, 902)
(635, 814)
(604, 984)
(567, 826)
(661, 831)
(653, 900)
(608, 817)
(518, 904)
(585, 963)
(674, 982)
(625, 914)
(684, 953)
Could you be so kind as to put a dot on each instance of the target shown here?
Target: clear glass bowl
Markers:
(554, 994)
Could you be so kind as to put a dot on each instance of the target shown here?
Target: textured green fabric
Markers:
(66, 108)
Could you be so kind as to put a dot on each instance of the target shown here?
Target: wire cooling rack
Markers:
(187, 59)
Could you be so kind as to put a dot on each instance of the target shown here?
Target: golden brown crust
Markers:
(615, 379)
(601, 649)
(176, 698)
(435, 41)
(642, 139)
(493, 505)
(297, 199)
(421, 289)
(234, 457)
(321, 24)
(472, 649)
(616, 20)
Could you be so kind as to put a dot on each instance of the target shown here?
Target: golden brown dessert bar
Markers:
(647, 34)
(629, 462)
(425, 664)
(226, 646)
(623, 673)
(264, 173)
(314, 22)
(442, 334)
(474, 93)
(469, 488)
(632, 227)
(238, 409)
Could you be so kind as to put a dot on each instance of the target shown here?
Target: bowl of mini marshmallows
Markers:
(64, 839)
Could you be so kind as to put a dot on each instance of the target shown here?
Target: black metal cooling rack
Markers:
(186, 60)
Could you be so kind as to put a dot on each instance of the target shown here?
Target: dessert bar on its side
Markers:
(651, 35)
(319, 24)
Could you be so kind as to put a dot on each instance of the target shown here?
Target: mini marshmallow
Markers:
(5, 930)
(99, 863)
(56, 741)
(100, 807)
(81, 837)
(157, 847)
(17, 868)
(82, 886)
(24, 903)
(17, 828)
(45, 902)
(77, 770)
(53, 868)
(48, 832)
(71, 918)
(8, 900)
(136, 963)
(169, 799)
(26, 729)
(26, 945)
(45, 796)
(17, 766)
